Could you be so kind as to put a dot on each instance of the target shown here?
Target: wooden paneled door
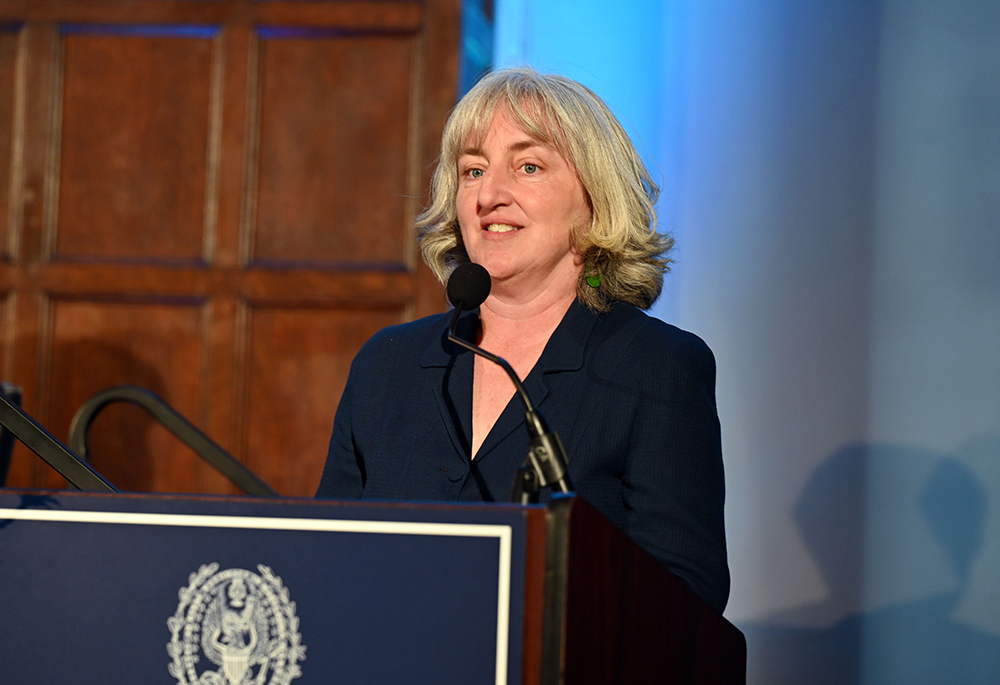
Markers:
(212, 199)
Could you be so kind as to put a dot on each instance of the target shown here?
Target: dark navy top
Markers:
(631, 397)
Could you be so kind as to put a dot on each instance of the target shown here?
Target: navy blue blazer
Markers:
(632, 398)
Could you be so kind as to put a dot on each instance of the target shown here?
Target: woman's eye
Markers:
(475, 173)
(530, 168)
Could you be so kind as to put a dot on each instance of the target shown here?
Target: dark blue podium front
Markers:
(223, 591)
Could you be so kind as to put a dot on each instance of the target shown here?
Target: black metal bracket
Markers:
(184, 430)
(70, 466)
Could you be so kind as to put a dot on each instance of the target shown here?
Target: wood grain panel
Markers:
(299, 361)
(369, 14)
(333, 169)
(158, 139)
(156, 345)
(8, 330)
(10, 64)
(304, 285)
(135, 131)
(24, 316)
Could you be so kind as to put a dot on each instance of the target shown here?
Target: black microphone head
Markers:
(468, 286)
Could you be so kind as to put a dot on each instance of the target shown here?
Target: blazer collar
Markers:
(565, 351)
(441, 352)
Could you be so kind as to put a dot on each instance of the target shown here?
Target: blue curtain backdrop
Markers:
(831, 170)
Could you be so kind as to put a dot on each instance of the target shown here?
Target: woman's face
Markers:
(518, 201)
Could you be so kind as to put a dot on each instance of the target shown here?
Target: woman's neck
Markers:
(516, 326)
(509, 324)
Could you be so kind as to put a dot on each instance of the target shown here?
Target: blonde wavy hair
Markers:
(621, 244)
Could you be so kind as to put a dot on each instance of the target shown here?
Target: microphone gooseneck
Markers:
(468, 287)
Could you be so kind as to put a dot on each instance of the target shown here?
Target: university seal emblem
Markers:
(242, 622)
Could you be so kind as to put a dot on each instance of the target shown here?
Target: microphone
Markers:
(468, 287)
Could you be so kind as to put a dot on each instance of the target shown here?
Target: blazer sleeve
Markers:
(673, 484)
(344, 473)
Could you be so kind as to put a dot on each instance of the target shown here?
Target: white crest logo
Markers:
(244, 623)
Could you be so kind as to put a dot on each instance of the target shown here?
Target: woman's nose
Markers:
(495, 190)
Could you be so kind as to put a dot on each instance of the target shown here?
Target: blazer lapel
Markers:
(564, 352)
(448, 369)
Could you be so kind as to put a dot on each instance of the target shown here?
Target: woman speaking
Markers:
(538, 183)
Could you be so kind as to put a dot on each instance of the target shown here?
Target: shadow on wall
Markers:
(863, 515)
(125, 443)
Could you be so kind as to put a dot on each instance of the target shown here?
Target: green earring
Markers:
(593, 278)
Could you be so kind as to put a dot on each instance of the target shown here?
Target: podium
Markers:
(118, 588)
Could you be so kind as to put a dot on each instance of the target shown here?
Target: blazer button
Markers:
(455, 474)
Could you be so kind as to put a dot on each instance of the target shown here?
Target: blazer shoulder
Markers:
(639, 340)
(412, 336)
